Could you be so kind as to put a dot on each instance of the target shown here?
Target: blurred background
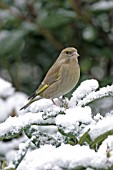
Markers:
(33, 32)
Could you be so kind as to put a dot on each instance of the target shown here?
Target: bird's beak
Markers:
(75, 53)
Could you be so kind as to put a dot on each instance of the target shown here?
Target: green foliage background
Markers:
(32, 33)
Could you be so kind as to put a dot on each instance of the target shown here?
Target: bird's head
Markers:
(69, 52)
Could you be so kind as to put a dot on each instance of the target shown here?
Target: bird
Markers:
(60, 79)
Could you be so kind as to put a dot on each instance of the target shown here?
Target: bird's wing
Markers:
(51, 77)
(53, 74)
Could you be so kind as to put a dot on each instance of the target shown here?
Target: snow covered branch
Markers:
(86, 93)
(13, 126)
(65, 133)
(42, 138)
(23, 148)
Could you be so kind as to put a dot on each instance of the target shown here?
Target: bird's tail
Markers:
(30, 102)
(32, 96)
(25, 106)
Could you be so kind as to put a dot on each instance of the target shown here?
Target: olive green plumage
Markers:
(61, 77)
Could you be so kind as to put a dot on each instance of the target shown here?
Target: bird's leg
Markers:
(54, 102)
(63, 97)
(64, 102)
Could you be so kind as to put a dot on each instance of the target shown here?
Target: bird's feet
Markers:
(63, 102)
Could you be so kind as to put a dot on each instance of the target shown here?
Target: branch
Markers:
(13, 126)
(103, 92)
(20, 155)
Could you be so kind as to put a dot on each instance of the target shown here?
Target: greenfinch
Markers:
(61, 77)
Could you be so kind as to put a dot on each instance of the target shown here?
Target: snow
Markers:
(3, 35)
(6, 88)
(43, 105)
(3, 110)
(107, 144)
(23, 147)
(73, 116)
(87, 93)
(88, 33)
(9, 146)
(15, 124)
(102, 5)
(20, 3)
(10, 101)
(55, 150)
(15, 102)
(4, 15)
(65, 156)
(102, 126)
(83, 90)
(12, 104)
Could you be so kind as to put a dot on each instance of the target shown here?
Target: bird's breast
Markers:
(71, 77)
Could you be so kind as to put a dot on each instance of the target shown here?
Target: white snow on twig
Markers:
(76, 118)
(85, 88)
(101, 127)
(6, 88)
(73, 116)
(65, 156)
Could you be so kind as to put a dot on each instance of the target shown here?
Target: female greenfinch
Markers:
(61, 77)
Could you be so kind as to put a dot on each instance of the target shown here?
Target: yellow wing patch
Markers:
(42, 88)
(58, 78)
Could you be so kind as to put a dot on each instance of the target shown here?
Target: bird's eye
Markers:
(67, 52)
